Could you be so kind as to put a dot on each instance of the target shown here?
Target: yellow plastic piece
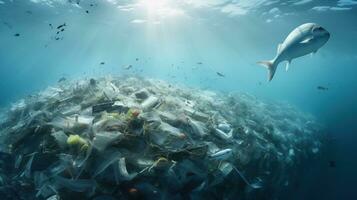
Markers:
(74, 140)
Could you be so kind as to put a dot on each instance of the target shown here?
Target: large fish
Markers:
(303, 40)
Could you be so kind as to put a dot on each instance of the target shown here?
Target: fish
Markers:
(8, 25)
(60, 26)
(199, 63)
(305, 39)
(62, 79)
(102, 63)
(17, 34)
(332, 163)
(322, 88)
(220, 74)
(127, 67)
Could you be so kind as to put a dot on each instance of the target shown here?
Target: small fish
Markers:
(220, 74)
(7, 24)
(322, 88)
(332, 163)
(50, 26)
(17, 34)
(57, 32)
(62, 30)
(87, 11)
(62, 79)
(29, 12)
(137, 59)
(60, 26)
(127, 67)
(102, 63)
(199, 63)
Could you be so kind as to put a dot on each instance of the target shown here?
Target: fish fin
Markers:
(307, 40)
(279, 48)
(287, 65)
(271, 66)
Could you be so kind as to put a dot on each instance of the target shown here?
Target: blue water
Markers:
(188, 42)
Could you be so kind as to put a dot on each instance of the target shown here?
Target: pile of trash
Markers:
(135, 138)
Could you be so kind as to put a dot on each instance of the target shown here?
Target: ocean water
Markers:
(212, 44)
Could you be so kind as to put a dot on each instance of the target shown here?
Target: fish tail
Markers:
(271, 66)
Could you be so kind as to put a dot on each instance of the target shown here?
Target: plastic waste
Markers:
(123, 172)
(134, 138)
(222, 154)
(149, 103)
(103, 140)
(79, 185)
(109, 159)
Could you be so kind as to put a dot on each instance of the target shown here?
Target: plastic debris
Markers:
(104, 139)
(150, 103)
(134, 138)
(76, 140)
(222, 154)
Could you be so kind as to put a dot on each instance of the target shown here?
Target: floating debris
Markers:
(220, 74)
(127, 137)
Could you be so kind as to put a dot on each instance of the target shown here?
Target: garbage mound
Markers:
(136, 138)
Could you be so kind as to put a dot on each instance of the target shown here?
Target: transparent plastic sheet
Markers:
(78, 185)
(103, 140)
(27, 170)
(121, 171)
(80, 163)
(110, 158)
